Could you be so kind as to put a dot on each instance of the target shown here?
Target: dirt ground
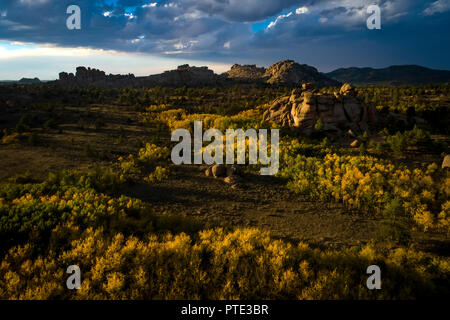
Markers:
(262, 202)
(266, 203)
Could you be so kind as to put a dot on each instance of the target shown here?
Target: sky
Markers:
(150, 36)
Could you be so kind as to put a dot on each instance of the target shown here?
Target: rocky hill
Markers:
(407, 74)
(290, 72)
(246, 73)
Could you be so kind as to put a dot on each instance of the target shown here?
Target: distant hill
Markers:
(407, 74)
(29, 80)
(22, 81)
(286, 72)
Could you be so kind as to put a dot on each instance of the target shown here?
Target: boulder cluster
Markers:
(308, 110)
(230, 173)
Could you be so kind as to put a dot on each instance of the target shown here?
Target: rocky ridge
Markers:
(183, 75)
(287, 72)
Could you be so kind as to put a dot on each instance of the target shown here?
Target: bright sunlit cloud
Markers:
(19, 60)
(17, 50)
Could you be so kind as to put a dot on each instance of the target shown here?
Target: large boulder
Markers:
(446, 162)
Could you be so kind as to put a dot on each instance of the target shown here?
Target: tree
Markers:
(396, 223)
(319, 125)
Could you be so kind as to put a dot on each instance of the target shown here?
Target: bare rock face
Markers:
(339, 112)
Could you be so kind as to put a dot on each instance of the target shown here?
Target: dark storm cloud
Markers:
(221, 29)
(333, 11)
(243, 11)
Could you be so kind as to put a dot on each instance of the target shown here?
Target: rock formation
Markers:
(246, 73)
(338, 112)
(93, 77)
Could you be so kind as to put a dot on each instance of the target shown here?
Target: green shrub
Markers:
(398, 144)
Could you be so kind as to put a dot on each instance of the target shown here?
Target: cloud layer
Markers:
(323, 33)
